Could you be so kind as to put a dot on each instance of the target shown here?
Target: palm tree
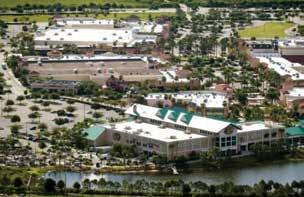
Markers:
(209, 73)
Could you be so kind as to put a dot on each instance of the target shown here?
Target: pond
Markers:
(282, 173)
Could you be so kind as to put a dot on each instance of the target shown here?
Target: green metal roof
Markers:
(94, 132)
(174, 115)
(187, 118)
(295, 131)
(162, 113)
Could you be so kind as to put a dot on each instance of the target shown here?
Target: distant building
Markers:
(97, 68)
(295, 134)
(101, 35)
(60, 86)
(262, 46)
(213, 101)
(117, 84)
(293, 50)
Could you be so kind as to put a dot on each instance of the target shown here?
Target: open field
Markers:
(129, 3)
(45, 18)
(25, 18)
(267, 30)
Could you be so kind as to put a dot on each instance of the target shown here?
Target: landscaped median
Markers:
(267, 30)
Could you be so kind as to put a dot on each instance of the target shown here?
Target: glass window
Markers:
(223, 144)
(233, 143)
(274, 134)
(217, 139)
(233, 138)
(228, 143)
(266, 135)
(228, 138)
(223, 139)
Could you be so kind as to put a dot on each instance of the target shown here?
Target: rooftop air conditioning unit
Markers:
(188, 131)
(173, 137)
(112, 126)
(162, 126)
(138, 121)
(127, 128)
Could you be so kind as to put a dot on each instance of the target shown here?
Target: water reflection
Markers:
(281, 173)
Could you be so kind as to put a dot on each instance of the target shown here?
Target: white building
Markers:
(293, 47)
(173, 133)
(156, 139)
(83, 37)
(84, 22)
(283, 67)
(212, 100)
(89, 32)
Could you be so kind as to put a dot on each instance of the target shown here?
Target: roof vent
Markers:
(112, 126)
(162, 126)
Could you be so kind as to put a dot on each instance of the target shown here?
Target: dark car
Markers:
(33, 128)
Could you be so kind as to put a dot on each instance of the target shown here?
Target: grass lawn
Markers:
(129, 3)
(26, 18)
(45, 18)
(268, 30)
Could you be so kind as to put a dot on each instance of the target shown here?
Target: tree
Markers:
(18, 182)
(61, 112)
(71, 109)
(20, 98)
(273, 94)
(241, 96)
(15, 118)
(9, 102)
(60, 185)
(42, 126)
(76, 186)
(5, 180)
(15, 128)
(42, 145)
(49, 185)
(8, 109)
(186, 190)
(34, 108)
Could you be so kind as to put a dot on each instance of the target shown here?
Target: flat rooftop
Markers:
(257, 126)
(130, 67)
(154, 132)
(292, 43)
(283, 67)
(295, 94)
(101, 57)
(171, 76)
(91, 36)
(83, 21)
(211, 99)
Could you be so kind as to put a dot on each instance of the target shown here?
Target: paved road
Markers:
(16, 87)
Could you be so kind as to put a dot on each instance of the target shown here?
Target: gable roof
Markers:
(94, 132)
(178, 117)
(295, 131)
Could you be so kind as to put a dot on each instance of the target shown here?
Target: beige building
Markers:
(173, 132)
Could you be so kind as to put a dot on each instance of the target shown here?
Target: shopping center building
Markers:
(175, 132)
